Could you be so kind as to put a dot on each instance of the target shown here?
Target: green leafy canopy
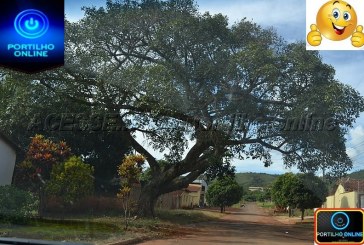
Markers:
(172, 72)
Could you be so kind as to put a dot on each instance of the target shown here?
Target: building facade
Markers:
(349, 193)
(7, 160)
(190, 197)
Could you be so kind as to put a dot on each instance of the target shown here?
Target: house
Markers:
(255, 188)
(171, 200)
(7, 159)
(188, 197)
(349, 193)
(191, 196)
(194, 195)
(204, 188)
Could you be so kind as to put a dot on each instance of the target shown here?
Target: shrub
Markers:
(41, 156)
(71, 180)
(16, 205)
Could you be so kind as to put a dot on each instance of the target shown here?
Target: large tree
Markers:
(201, 89)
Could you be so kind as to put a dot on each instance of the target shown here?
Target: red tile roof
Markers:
(352, 184)
(193, 188)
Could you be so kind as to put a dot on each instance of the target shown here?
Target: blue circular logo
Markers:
(340, 220)
(31, 23)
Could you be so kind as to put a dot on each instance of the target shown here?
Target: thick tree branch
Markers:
(265, 144)
(139, 148)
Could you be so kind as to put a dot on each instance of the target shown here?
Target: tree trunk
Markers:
(126, 218)
(147, 200)
(302, 214)
(42, 200)
(221, 208)
(161, 183)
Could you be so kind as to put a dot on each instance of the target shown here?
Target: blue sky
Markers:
(288, 18)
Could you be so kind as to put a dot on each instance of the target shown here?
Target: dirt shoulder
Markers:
(248, 225)
(283, 218)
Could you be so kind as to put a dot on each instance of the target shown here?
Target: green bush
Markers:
(71, 180)
(16, 205)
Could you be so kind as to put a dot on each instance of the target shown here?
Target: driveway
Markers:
(248, 225)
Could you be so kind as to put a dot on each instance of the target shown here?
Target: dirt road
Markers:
(249, 225)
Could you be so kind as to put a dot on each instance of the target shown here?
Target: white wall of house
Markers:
(203, 189)
(342, 199)
(7, 162)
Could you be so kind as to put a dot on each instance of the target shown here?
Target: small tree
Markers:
(312, 193)
(33, 173)
(224, 192)
(130, 173)
(251, 196)
(302, 191)
(265, 195)
(285, 189)
(71, 180)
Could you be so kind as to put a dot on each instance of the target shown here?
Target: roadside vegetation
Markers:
(299, 191)
(103, 228)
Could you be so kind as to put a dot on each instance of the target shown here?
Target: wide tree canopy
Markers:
(201, 89)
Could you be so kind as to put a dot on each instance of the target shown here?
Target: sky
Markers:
(288, 18)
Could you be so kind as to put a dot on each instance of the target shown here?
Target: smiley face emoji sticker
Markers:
(336, 20)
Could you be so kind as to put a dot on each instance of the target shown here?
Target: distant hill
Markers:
(263, 179)
(357, 175)
(255, 179)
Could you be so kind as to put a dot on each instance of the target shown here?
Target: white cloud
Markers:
(355, 147)
(357, 137)
(268, 12)
(250, 165)
(351, 152)
(348, 67)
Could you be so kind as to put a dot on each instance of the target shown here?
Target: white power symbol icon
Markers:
(31, 24)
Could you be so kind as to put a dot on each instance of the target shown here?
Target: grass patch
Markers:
(266, 204)
(296, 212)
(60, 230)
(165, 218)
(309, 212)
(103, 228)
(183, 217)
